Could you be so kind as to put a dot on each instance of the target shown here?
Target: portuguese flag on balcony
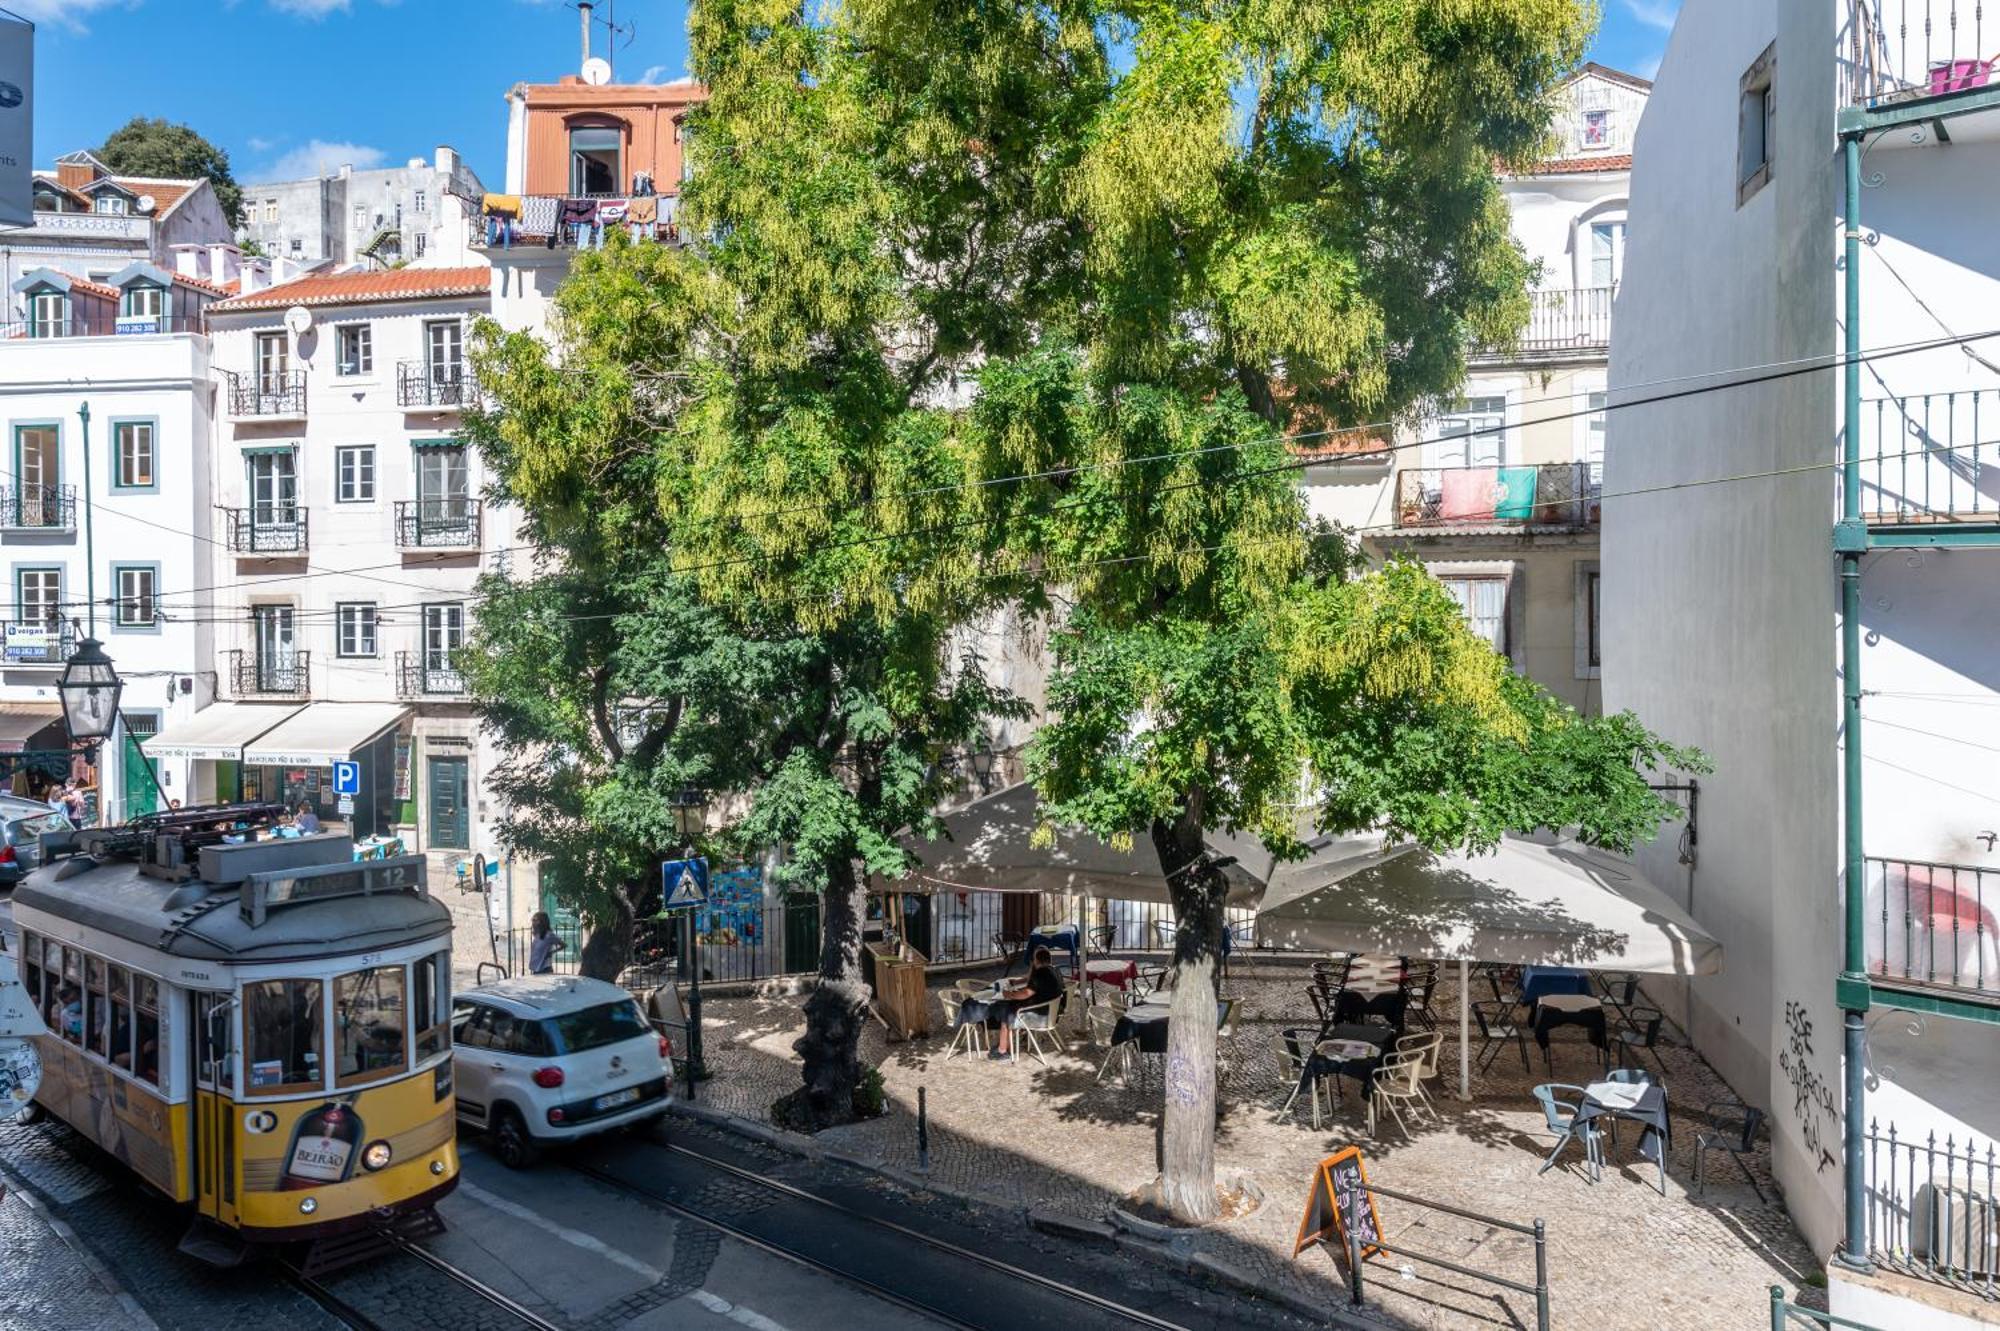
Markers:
(1514, 494)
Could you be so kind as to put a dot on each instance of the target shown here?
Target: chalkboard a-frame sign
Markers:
(1340, 1203)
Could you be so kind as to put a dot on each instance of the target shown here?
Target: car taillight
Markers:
(548, 1078)
(7, 855)
(666, 1047)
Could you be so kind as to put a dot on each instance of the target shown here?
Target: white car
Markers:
(550, 1058)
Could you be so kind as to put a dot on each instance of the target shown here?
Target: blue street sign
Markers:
(685, 882)
(347, 778)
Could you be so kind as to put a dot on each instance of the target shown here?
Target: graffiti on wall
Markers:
(1813, 1103)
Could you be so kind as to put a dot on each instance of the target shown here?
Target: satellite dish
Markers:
(597, 71)
(147, 203)
(298, 319)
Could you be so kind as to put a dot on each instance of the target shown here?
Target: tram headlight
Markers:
(376, 1155)
(309, 1205)
(437, 1167)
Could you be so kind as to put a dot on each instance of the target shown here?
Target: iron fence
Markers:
(1559, 496)
(1783, 1314)
(253, 674)
(1934, 924)
(1560, 323)
(273, 530)
(1931, 456)
(419, 676)
(422, 384)
(267, 393)
(1931, 1210)
(510, 949)
(1537, 1231)
(437, 524)
(1915, 50)
(105, 324)
(38, 507)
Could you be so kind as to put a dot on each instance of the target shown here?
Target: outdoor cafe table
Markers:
(1147, 1023)
(1306, 1044)
(1583, 1010)
(1109, 970)
(1540, 981)
(1650, 1112)
(1053, 936)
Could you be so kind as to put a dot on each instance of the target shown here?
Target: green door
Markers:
(449, 785)
(140, 797)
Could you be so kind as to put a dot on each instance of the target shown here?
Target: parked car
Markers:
(541, 1059)
(21, 826)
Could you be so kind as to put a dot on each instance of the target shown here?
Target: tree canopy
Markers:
(151, 146)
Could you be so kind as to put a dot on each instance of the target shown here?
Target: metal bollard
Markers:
(1541, 1276)
(923, 1134)
(1354, 1266)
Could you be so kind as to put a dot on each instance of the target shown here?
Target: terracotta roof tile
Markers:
(203, 284)
(1571, 166)
(364, 288)
(93, 288)
(166, 193)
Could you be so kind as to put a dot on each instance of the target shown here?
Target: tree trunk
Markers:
(608, 950)
(1196, 888)
(838, 1008)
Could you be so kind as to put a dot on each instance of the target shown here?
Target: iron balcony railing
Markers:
(419, 675)
(1931, 1209)
(1554, 496)
(281, 393)
(254, 674)
(437, 524)
(107, 324)
(266, 530)
(1560, 323)
(1931, 457)
(1933, 924)
(38, 508)
(1896, 51)
(36, 642)
(495, 232)
(421, 384)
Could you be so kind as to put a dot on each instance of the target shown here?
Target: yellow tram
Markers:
(260, 1030)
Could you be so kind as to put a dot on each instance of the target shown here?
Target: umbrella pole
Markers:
(1464, 1029)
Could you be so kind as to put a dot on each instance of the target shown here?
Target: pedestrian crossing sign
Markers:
(685, 881)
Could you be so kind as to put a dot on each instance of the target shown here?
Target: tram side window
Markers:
(430, 1003)
(368, 1017)
(147, 996)
(281, 1021)
(97, 1007)
(31, 968)
(63, 1010)
(118, 982)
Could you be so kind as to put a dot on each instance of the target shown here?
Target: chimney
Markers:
(188, 260)
(74, 175)
(446, 160)
(583, 13)
(225, 261)
(256, 275)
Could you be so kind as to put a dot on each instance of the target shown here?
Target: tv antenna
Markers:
(618, 35)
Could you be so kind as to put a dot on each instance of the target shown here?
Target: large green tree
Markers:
(145, 146)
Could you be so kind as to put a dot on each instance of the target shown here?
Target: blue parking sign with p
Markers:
(347, 778)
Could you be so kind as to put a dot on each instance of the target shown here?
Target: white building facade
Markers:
(1723, 616)
(1495, 491)
(90, 222)
(376, 217)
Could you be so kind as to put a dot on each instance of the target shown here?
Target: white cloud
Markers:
(316, 155)
(1649, 68)
(310, 8)
(1654, 13)
(260, 145)
(655, 74)
(65, 13)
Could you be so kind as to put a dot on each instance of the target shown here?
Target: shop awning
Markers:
(20, 721)
(219, 730)
(324, 733)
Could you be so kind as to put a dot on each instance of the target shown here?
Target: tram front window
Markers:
(281, 1021)
(368, 1017)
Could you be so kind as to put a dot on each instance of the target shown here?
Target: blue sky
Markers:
(286, 86)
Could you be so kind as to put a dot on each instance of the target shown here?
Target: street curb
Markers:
(1179, 1255)
(61, 1229)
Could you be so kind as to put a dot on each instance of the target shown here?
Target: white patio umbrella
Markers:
(1530, 902)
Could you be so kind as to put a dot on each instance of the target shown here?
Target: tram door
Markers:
(211, 1129)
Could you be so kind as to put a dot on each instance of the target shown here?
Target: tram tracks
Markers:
(352, 1315)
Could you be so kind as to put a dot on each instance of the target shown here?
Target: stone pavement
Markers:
(1051, 1138)
(48, 1280)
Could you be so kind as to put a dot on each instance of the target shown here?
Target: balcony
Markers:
(36, 643)
(274, 531)
(1553, 497)
(80, 226)
(252, 675)
(1933, 1210)
(421, 384)
(267, 397)
(39, 508)
(497, 233)
(437, 524)
(1931, 925)
(100, 325)
(417, 676)
(1898, 52)
(1561, 325)
(1931, 458)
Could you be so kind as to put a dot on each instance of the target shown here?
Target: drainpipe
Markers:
(1851, 543)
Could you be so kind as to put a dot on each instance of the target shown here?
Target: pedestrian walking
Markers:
(542, 945)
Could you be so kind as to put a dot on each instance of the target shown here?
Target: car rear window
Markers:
(595, 1027)
(27, 831)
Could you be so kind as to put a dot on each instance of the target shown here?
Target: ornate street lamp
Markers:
(89, 688)
(690, 808)
(982, 765)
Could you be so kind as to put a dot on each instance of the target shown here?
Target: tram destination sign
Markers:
(265, 892)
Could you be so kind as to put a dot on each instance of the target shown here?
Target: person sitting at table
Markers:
(1043, 984)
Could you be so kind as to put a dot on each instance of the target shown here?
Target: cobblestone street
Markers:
(1053, 1137)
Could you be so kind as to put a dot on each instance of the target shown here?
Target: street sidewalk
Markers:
(48, 1279)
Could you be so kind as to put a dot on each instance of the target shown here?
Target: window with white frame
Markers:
(112, 203)
(48, 314)
(270, 210)
(421, 244)
(1607, 252)
(354, 474)
(1595, 425)
(138, 589)
(1483, 600)
(360, 217)
(38, 596)
(355, 621)
(1756, 123)
(132, 455)
(143, 300)
(354, 349)
(1471, 433)
(422, 202)
(298, 247)
(1596, 128)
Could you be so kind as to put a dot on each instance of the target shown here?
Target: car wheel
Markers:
(511, 1141)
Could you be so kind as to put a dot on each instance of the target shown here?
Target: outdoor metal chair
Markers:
(1009, 947)
(1640, 1035)
(1732, 1127)
(1033, 1025)
(1151, 980)
(1496, 1027)
(1322, 1004)
(1567, 1127)
(1618, 988)
(1429, 1048)
(966, 1037)
(1399, 1082)
(1419, 983)
(1103, 1025)
(1103, 937)
(1293, 1055)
